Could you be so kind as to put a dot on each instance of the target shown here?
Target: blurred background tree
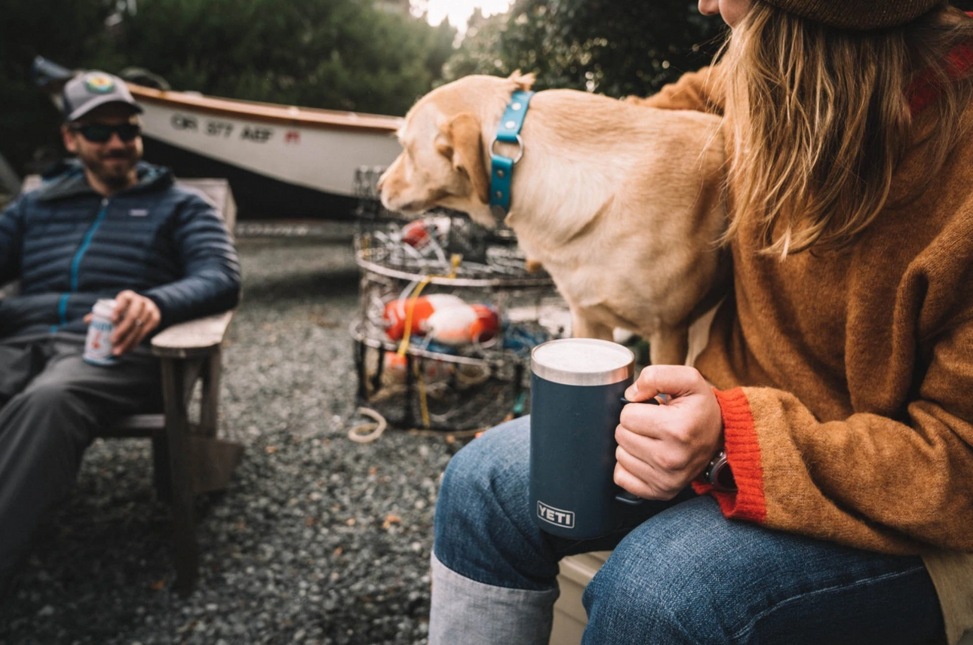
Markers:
(613, 48)
(362, 55)
(70, 32)
(338, 54)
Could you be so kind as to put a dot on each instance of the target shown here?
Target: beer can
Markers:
(98, 346)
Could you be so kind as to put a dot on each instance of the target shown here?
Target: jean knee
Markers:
(483, 528)
(482, 478)
(659, 587)
(629, 602)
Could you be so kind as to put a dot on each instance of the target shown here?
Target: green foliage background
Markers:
(362, 55)
(605, 46)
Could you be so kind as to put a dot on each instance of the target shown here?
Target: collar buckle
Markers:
(502, 167)
(518, 140)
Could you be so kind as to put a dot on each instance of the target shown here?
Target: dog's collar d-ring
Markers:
(502, 168)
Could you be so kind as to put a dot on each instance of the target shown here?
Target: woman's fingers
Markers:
(660, 455)
(641, 479)
(674, 380)
(665, 447)
(663, 467)
(644, 419)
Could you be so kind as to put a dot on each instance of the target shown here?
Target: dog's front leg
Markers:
(669, 345)
(582, 327)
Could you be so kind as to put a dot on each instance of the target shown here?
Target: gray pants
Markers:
(52, 405)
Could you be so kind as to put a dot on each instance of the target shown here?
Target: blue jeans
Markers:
(680, 572)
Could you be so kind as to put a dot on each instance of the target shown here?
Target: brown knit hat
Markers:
(859, 14)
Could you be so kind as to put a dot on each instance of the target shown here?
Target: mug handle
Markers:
(627, 497)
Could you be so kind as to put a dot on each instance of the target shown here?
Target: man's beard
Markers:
(108, 170)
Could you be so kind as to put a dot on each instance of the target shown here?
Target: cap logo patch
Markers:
(99, 83)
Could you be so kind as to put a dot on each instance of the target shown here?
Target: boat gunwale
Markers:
(270, 113)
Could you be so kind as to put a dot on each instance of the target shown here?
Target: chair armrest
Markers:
(192, 339)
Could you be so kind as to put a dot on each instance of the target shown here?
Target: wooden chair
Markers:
(188, 457)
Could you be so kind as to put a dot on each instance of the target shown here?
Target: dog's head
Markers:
(443, 160)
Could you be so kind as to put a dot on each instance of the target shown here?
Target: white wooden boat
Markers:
(282, 162)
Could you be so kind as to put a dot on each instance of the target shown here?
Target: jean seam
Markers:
(493, 587)
(748, 628)
(686, 634)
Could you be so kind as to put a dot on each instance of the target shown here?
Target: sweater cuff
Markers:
(743, 456)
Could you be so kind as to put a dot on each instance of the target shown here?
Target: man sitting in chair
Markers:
(106, 226)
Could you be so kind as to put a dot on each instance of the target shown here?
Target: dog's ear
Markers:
(467, 152)
(522, 82)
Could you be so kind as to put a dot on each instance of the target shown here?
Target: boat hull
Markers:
(282, 162)
(258, 196)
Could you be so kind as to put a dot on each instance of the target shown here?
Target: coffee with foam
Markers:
(582, 361)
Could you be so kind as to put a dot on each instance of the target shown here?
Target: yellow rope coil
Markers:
(454, 261)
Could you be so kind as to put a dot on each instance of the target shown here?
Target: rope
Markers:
(423, 403)
(454, 263)
(358, 434)
(457, 434)
(368, 432)
(407, 334)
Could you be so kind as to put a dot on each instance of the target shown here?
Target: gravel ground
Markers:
(318, 539)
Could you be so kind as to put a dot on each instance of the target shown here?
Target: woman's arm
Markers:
(701, 91)
(868, 481)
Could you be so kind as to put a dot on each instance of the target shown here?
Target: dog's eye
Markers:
(445, 150)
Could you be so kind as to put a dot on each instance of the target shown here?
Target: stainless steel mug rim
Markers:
(566, 377)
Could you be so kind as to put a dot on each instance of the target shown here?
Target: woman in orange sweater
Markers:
(837, 385)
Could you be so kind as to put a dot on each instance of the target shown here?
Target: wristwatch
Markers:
(718, 474)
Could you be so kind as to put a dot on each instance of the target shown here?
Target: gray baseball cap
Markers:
(85, 92)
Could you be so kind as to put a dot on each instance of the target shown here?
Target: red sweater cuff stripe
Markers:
(743, 455)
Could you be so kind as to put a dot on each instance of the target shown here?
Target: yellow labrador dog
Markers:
(621, 204)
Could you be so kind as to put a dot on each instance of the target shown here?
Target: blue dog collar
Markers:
(502, 168)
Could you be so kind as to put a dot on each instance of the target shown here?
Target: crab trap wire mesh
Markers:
(448, 316)
(393, 244)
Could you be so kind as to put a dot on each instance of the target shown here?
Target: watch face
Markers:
(723, 477)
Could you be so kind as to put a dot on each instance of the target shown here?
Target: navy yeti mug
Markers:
(577, 387)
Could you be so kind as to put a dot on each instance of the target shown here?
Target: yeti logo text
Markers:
(555, 516)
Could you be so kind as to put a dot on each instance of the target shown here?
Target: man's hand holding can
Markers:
(135, 317)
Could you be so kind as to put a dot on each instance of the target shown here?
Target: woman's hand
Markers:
(662, 448)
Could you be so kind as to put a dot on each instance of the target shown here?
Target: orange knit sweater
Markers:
(846, 379)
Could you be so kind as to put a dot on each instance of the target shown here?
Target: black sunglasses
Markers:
(101, 133)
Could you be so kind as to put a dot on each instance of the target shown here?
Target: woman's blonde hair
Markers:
(821, 119)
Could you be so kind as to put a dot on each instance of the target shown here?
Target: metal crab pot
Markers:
(424, 384)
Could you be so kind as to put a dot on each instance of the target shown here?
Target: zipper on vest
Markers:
(62, 308)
